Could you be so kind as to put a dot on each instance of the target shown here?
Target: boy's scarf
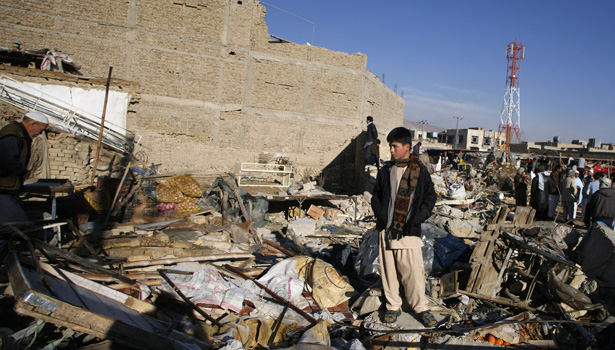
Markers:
(402, 201)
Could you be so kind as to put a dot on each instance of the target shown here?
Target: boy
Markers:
(403, 198)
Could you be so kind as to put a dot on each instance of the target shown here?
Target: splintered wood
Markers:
(486, 275)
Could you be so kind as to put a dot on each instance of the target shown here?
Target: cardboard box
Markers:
(315, 212)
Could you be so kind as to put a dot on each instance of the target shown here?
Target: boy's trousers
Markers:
(402, 267)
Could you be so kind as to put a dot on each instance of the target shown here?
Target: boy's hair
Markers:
(369, 117)
(598, 175)
(401, 135)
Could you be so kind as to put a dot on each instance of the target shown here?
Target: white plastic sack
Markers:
(206, 286)
(457, 191)
(283, 279)
(287, 279)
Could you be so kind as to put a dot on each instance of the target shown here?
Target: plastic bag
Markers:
(367, 262)
(457, 191)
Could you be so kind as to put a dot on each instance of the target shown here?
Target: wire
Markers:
(292, 14)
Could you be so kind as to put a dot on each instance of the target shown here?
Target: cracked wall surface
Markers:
(212, 87)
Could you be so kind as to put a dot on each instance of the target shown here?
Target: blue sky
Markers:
(449, 57)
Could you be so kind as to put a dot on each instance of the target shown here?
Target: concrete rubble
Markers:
(173, 263)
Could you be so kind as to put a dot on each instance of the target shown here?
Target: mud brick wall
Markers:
(213, 89)
(69, 157)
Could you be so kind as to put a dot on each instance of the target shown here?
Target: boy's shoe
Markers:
(391, 316)
(427, 319)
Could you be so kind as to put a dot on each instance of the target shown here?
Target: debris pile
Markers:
(170, 264)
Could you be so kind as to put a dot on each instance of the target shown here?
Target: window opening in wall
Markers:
(487, 141)
(475, 140)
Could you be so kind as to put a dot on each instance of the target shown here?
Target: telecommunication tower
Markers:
(511, 109)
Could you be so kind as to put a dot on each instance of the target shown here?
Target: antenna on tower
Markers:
(510, 118)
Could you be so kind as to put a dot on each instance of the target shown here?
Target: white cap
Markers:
(38, 117)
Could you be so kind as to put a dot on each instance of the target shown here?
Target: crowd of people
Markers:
(572, 184)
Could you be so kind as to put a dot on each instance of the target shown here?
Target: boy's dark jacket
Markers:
(422, 203)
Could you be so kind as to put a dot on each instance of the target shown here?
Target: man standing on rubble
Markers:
(581, 166)
(601, 207)
(438, 159)
(372, 132)
(403, 198)
(539, 199)
(579, 183)
(569, 195)
(372, 154)
(521, 182)
(544, 161)
(490, 160)
(15, 141)
(591, 188)
(554, 193)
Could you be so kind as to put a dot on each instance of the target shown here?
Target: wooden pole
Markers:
(186, 300)
(102, 128)
(117, 193)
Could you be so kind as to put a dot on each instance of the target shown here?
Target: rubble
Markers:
(299, 269)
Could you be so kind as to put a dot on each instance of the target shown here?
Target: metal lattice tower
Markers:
(510, 118)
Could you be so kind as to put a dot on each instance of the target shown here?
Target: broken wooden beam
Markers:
(498, 300)
(171, 261)
(280, 248)
(83, 240)
(79, 260)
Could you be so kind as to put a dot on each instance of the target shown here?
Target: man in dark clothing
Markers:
(555, 189)
(455, 162)
(15, 142)
(402, 200)
(601, 207)
(372, 132)
(372, 154)
(521, 182)
(539, 199)
(544, 161)
(531, 166)
(490, 160)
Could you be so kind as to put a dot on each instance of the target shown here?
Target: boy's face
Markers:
(399, 151)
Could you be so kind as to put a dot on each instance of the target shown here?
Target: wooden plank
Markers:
(229, 256)
(501, 215)
(524, 216)
(508, 225)
(483, 273)
(530, 217)
(91, 313)
(481, 259)
(75, 318)
(499, 300)
(521, 214)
